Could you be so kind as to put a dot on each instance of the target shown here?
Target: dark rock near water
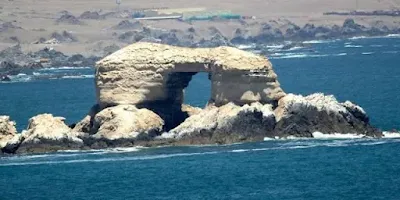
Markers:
(302, 116)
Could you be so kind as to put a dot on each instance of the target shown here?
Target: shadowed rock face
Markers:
(147, 72)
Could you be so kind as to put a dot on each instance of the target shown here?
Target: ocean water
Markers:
(303, 169)
(363, 70)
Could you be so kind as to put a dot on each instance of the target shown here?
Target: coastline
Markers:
(15, 61)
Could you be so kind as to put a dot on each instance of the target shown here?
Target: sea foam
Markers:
(319, 135)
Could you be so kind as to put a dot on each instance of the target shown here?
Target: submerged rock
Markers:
(301, 116)
(47, 133)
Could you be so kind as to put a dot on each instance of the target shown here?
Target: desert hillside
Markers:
(36, 24)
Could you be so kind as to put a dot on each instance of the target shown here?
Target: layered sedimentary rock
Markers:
(48, 133)
(153, 76)
(9, 139)
(144, 73)
(301, 116)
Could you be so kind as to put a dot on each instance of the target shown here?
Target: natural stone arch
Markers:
(154, 75)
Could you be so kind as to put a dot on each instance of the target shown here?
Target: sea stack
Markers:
(140, 102)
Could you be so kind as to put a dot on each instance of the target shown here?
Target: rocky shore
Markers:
(14, 61)
(140, 103)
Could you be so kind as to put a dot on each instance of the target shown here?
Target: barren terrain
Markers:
(34, 21)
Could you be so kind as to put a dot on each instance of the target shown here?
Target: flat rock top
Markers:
(142, 55)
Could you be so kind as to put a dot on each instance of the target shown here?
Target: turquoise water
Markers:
(365, 71)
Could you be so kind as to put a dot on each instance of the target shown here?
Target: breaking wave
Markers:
(79, 76)
(64, 68)
(318, 41)
(367, 53)
(391, 134)
(319, 135)
(246, 46)
(353, 46)
(295, 55)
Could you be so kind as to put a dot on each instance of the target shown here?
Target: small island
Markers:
(140, 90)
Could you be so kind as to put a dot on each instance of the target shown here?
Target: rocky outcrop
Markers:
(13, 61)
(91, 15)
(146, 72)
(9, 139)
(140, 102)
(126, 24)
(124, 124)
(64, 37)
(68, 19)
(153, 76)
(225, 124)
(47, 133)
(301, 116)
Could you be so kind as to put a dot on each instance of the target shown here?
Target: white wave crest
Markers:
(78, 76)
(319, 135)
(367, 53)
(393, 35)
(297, 55)
(278, 46)
(64, 68)
(391, 134)
(246, 46)
(318, 41)
(358, 37)
(353, 46)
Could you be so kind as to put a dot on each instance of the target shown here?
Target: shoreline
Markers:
(16, 62)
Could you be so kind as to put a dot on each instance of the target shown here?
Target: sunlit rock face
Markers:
(150, 75)
(302, 116)
(148, 72)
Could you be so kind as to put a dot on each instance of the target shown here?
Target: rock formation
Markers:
(48, 133)
(152, 75)
(125, 123)
(301, 116)
(140, 102)
(9, 140)
(225, 124)
(153, 65)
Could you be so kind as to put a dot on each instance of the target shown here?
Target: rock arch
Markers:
(154, 75)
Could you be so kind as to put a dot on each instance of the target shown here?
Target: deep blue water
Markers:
(308, 169)
(365, 71)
